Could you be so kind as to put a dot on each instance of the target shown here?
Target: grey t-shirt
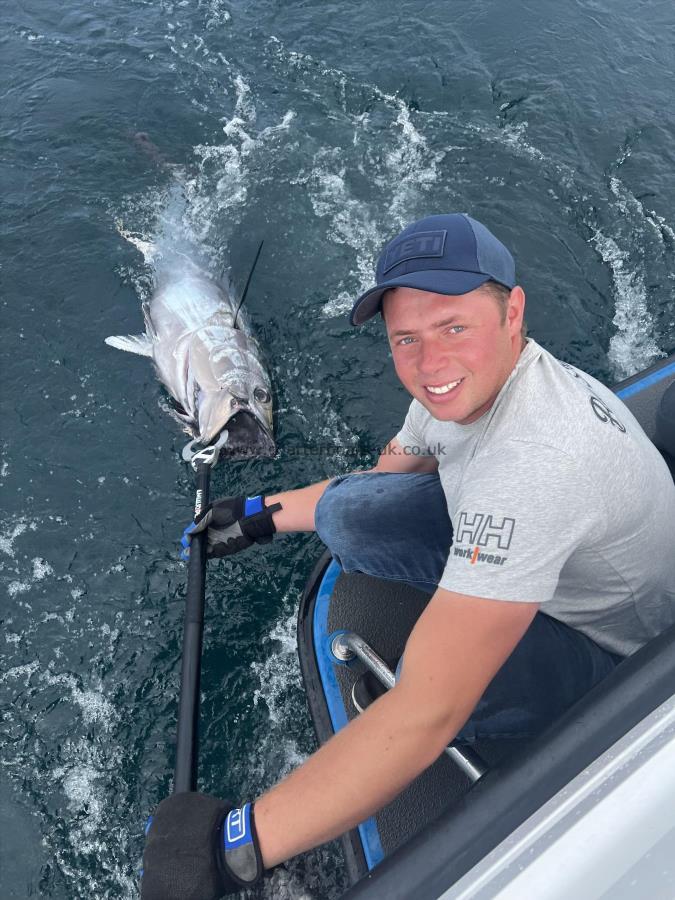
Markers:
(557, 496)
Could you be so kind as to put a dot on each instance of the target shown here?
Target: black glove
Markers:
(233, 524)
(199, 848)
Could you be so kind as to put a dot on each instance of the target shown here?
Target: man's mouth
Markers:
(440, 389)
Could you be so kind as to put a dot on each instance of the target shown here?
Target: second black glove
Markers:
(233, 524)
(199, 848)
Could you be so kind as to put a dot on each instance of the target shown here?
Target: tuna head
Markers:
(232, 392)
(246, 414)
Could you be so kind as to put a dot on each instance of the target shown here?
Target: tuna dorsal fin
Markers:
(139, 344)
(248, 282)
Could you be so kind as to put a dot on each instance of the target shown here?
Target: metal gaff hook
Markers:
(212, 451)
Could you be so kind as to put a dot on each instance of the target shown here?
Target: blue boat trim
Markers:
(648, 380)
(370, 836)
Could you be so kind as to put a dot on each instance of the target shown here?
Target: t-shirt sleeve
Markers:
(517, 518)
(412, 433)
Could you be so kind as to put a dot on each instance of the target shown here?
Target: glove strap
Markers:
(241, 855)
(257, 522)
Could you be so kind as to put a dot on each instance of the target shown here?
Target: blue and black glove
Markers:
(199, 848)
(233, 524)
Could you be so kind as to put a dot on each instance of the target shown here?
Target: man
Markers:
(521, 493)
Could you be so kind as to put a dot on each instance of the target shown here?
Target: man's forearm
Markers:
(297, 512)
(357, 772)
(299, 506)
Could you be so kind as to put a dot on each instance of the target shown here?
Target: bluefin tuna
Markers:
(207, 358)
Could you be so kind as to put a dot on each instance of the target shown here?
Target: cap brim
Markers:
(437, 281)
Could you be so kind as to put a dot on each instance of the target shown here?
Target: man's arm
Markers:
(457, 646)
(298, 506)
(394, 458)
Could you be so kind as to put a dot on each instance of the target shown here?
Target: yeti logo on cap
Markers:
(415, 246)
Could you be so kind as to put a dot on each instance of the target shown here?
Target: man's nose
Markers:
(432, 357)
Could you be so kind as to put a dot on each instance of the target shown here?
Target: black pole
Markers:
(187, 739)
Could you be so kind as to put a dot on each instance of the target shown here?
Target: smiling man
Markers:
(545, 564)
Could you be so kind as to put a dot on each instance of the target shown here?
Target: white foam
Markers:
(94, 706)
(24, 671)
(280, 690)
(661, 225)
(279, 678)
(632, 347)
(31, 35)
(403, 175)
(283, 885)
(145, 247)
(629, 205)
(351, 224)
(218, 14)
(17, 587)
(244, 107)
(80, 786)
(412, 169)
(41, 569)
(8, 537)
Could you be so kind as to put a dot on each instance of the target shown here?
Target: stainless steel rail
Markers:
(348, 645)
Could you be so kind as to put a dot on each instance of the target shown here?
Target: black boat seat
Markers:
(664, 435)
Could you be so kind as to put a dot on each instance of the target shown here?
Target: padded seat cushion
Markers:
(664, 436)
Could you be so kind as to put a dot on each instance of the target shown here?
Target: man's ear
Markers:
(515, 310)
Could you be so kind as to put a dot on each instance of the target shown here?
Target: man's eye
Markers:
(402, 342)
(454, 327)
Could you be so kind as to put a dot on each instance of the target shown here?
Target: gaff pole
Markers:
(187, 738)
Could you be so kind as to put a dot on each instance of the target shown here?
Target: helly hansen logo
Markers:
(474, 554)
(483, 529)
(417, 246)
(236, 825)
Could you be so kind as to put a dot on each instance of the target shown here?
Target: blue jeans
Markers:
(397, 527)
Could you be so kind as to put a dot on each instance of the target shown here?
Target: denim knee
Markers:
(338, 519)
(390, 525)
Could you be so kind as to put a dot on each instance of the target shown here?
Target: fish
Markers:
(207, 358)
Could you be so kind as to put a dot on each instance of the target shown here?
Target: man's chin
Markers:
(444, 413)
(453, 412)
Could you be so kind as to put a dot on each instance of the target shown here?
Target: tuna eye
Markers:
(261, 395)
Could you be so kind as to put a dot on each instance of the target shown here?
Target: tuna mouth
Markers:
(246, 437)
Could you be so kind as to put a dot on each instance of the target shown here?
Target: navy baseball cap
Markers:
(449, 254)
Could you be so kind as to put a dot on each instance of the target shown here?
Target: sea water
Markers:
(321, 129)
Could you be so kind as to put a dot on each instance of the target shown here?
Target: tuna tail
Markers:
(140, 344)
(151, 150)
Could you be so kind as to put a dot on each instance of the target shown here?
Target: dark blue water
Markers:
(321, 128)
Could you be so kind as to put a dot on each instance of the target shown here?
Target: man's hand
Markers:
(233, 524)
(199, 848)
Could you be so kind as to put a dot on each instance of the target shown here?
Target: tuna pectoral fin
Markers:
(132, 343)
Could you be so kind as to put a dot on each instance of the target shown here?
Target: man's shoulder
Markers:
(558, 405)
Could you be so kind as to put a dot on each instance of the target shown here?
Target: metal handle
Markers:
(348, 645)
